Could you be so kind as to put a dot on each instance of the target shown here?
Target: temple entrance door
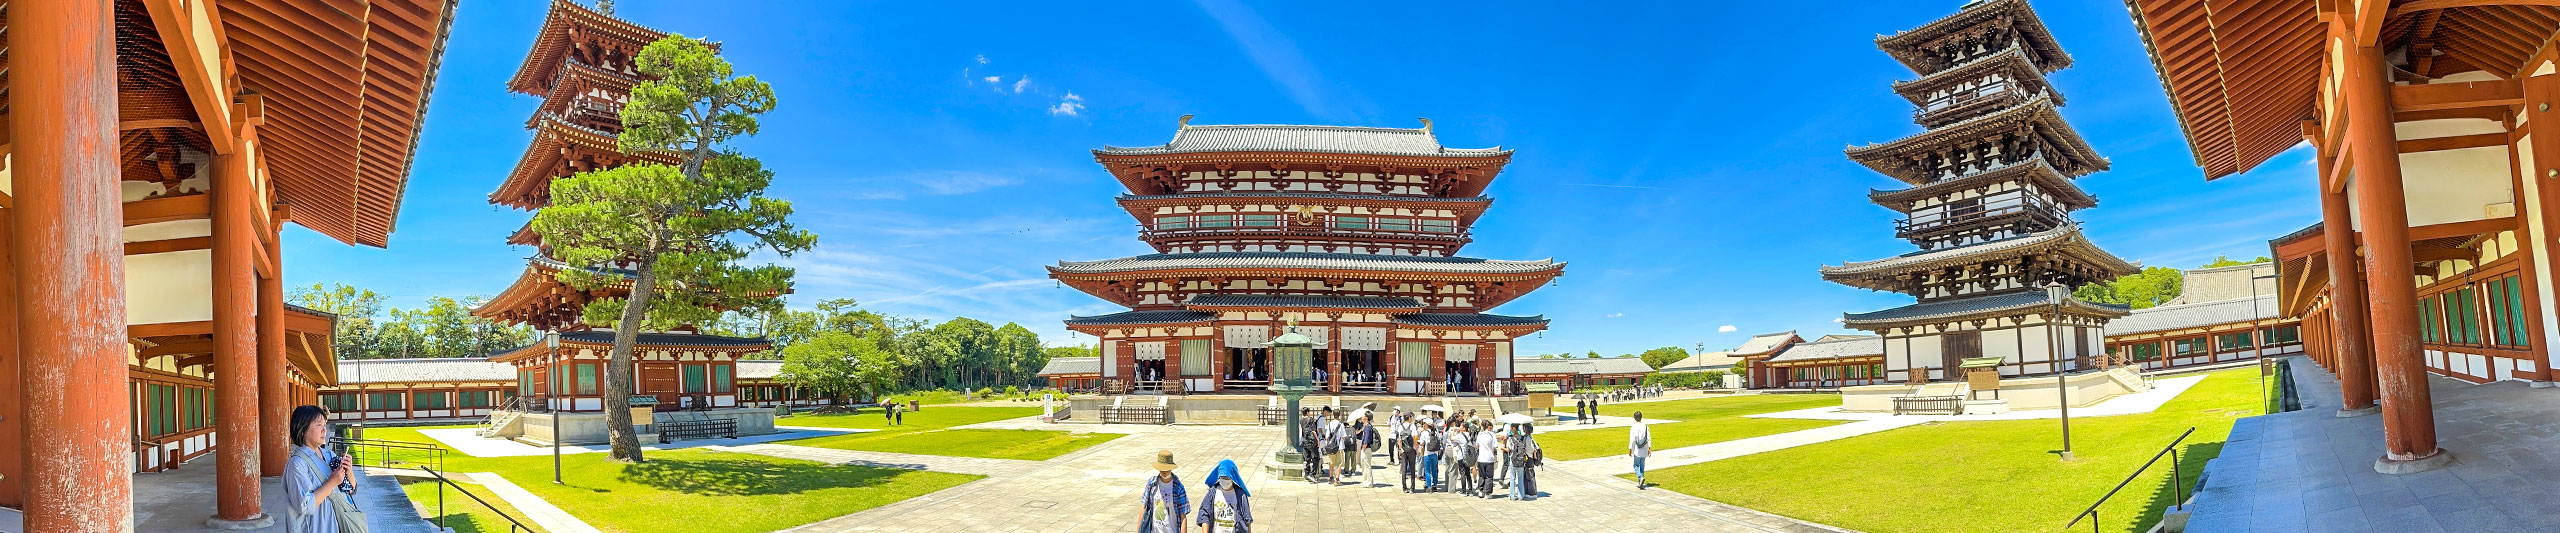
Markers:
(1955, 348)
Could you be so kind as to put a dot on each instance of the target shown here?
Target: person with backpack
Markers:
(1364, 442)
(1516, 452)
(1639, 446)
(1336, 435)
(1227, 506)
(1454, 442)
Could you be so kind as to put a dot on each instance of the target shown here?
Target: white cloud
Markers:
(1616, 315)
(982, 59)
(993, 79)
(1727, 329)
(1018, 85)
(1839, 321)
(1071, 105)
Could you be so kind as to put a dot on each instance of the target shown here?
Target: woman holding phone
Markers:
(312, 474)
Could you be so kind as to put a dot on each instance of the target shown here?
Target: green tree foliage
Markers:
(2220, 261)
(444, 328)
(2141, 291)
(677, 234)
(1595, 354)
(1055, 352)
(1663, 356)
(842, 363)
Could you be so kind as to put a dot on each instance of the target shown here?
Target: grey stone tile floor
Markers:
(2311, 471)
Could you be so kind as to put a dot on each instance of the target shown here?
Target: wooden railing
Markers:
(2176, 485)
(1136, 415)
(1953, 405)
(2015, 204)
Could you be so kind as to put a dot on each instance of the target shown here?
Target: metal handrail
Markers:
(2175, 474)
(513, 525)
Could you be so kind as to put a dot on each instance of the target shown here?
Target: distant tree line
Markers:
(837, 347)
(2152, 287)
(444, 328)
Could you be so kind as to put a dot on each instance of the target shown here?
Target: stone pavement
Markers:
(2125, 404)
(535, 509)
(1096, 489)
(1717, 451)
(936, 463)
(2309, 470)
(179, 501)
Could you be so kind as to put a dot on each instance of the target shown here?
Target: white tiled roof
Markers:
(2195, 315)
(1295, 138)
(423, 370)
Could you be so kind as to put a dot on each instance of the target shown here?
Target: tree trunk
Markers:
(617, 370)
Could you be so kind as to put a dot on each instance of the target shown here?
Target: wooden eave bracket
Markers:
(198, 48)
(2497, 94)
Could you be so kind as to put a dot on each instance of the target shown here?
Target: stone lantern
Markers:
(1292, 361)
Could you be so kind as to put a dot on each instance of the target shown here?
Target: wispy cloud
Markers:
(931, 183)
(982, 59)
(1278, 57)
(1727, 329)
(1070, 105)
(1018, 85)
(994, 79)
(1615, 315)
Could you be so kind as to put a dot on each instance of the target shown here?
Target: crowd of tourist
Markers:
(1430, 450)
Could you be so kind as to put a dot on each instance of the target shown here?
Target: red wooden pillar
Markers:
(1484, 369)
(2354, 362)
(12, 405)
(2409, 432)
(275, 394)
(1439, 361)
(1333, 367)
(70, 278)
(235, 338)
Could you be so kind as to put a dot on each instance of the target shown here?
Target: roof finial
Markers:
(1184, 123)
(605, 7)
(1426, 125)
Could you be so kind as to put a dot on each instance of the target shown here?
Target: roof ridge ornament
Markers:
(1426, 125)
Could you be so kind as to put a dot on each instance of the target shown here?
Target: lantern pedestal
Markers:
(1289, 464)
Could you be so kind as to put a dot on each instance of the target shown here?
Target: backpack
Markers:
(1369, 437)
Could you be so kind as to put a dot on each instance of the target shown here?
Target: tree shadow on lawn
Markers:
(2190, 469)
(732, 477)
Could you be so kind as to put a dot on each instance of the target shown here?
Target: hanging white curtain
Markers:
(1364, 338)
(1151, 351)
(1248, 336)
(1319, 334)
(1461, 352)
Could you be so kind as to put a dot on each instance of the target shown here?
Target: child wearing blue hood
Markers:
(1228, 507)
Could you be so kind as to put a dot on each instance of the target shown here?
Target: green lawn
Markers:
(930, 418)
(677, 490)
(1699, 421)
(1982, 476)
(929, 432)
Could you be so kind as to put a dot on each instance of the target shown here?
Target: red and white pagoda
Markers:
(1349, 233)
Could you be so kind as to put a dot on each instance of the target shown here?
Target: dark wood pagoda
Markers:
(1988, 204)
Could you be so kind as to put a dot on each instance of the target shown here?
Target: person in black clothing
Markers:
(1307, 427)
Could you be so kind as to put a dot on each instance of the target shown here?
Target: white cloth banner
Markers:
(1248, 336)
(1319, 334)
(1110, 359)
(1364, 338)
(1460, 352)
(1151, 351)
(1502, 360)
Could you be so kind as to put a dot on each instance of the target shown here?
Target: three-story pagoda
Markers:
(1350, 233)
(581, 67)
(1989, 201)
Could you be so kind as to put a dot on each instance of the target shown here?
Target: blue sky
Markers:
(1684, 158)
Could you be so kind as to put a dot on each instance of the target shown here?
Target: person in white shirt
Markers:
(1639, 445)
(1488, 450)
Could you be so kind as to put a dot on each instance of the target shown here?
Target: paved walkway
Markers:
(2309, 470)
(903, 461)
(2128, 404)
(1684, 456)
(541, 512)
(1096, 489)
(469, 442)
(179, 501)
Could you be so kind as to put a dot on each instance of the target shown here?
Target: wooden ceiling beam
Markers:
(2456, 142)
(193, 32)
(2369, 15)
(2464, 95)
(168, 245)
(2413, 6)
(168, 208)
